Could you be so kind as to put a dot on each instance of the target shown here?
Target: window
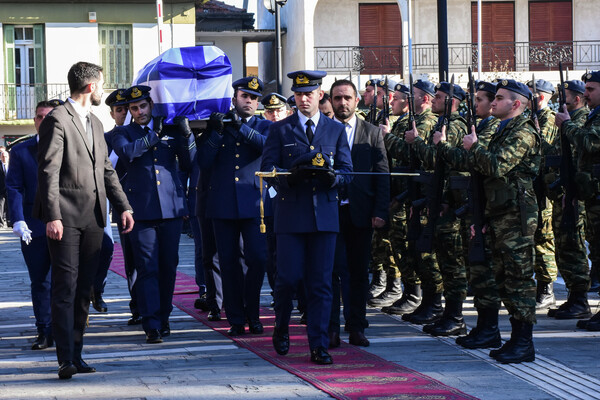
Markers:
(381, 38)
(497, 35)
(115, 53)
(550, 35)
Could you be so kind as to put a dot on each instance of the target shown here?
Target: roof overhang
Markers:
(249, 35)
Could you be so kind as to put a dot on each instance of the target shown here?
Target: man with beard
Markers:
(75, 176)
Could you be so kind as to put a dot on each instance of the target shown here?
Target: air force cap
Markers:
(116, 98)
(306, 81)
(425, 86)
(137, 93)
(273, 101)
(250, 85)
(486, 87)
(542, 85)
(401, 88)
(592, 76)
(459, 93)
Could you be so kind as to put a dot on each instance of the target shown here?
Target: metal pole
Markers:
(410, 54)
(159, 21)
(443, 38)
(278, 45)
(479, 46)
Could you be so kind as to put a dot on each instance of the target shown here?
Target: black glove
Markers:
(295, 177)
(326, 178)
(235, 123)
(183, 125)
(215, 122)
(157, 123)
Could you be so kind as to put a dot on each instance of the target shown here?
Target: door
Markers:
(25, 79)
(380, 38)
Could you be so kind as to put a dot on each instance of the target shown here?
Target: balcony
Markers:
(17, 102)
(497, 57)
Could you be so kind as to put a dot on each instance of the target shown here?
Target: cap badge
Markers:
(274, 100)
(318, 160)
(504, 82)
(302, 80)
(253, 84)
(135, 93)
(119, 97)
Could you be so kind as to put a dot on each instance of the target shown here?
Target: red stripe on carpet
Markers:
(356, 374)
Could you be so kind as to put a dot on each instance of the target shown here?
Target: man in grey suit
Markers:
(363, 207)
(75, 176)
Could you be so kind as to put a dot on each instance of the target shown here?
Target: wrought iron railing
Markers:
(500, 57)
(19, 101)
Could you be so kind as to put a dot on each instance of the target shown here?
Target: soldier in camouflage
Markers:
(586, 140)
(420, 269)
(545, 261)
(481, 275)
(448, 239)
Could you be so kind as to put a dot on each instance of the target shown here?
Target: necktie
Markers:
(88, 129)
(309, 131)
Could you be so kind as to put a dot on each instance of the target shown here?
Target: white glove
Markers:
(21, 230)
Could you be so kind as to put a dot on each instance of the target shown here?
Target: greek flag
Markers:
(188, 81)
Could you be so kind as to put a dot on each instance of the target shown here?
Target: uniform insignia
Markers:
(119, 97)
(439, 85)
(318, 160)
(302, 80)
(369, 83)
(566, 85)
(588, 76)
(274, 100)
(481, 86)
(504, 82)
(135, 93)
(253, 84)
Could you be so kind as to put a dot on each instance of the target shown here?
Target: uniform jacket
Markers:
(368, 195)
(153, 186)
(231, 160)
(21, 185)
(307, 207)
(72, 177)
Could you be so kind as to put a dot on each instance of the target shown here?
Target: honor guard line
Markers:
(275, 173)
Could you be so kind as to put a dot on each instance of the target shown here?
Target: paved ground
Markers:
(198, 363)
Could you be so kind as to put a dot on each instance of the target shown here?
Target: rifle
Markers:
(436, 189)
(538, 182)
(373, 107)
(385, 110)
(567, 169)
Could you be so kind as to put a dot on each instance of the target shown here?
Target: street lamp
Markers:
(273, 6)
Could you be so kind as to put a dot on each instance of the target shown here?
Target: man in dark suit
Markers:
(306, 210)
(363, 207)
(21, 185)
(231, 155)
(3, 170)
(75, 177)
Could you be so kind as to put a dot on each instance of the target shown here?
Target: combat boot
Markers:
(522, 349)
(594, 278)
(576, 307)
(486, 334)
(592, 324)
(428, 312)
(544, 297)
(516, 326)
(452, 322)
(378, 283)
(392, 293)
(410, 300)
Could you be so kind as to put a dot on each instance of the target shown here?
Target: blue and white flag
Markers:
(188, 81)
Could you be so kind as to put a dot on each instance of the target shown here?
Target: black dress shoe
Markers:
(358, 339)
(153, 336)
(334, 340)
(165, 330)
(281, 341)
(82, 367)
(303, 320)
(135, 320)
(214, 315)
(201, 303)
(255, 327)
(98, 303)
(42, 342)
(66, 370)
(320, 356)
(236, 330)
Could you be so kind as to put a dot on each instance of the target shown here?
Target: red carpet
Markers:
(355, 374)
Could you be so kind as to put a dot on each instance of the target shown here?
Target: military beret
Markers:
(306, 81)
(116, 98)
(542, 85)
(575, 86)
(402, 88)
(56, 102)
(273, 100)
(391, 84)
(250, 85)
(425, 86)
(137, 93)
(313, 160)
(486, 87)
(459, 93)
(514, 86)
(371, 82)
(592, 76)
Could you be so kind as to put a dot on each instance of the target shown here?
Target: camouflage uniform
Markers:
(448, 239)
(510, 164)
(481, 275)
(417, 268)
(571, 253)
(545, 260)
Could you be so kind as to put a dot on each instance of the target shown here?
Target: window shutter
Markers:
(9, 72)
(497, 26)
(381, 38)
(550, 21)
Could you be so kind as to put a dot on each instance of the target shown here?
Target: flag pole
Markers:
(159, 21)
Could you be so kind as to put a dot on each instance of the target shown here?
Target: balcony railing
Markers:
(500, 57)
(19, 101)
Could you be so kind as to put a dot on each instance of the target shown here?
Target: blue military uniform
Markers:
(231, 158)
(306, 214)
(158, 200)
(21, 186)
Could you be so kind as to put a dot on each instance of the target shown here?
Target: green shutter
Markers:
(9, 72)
(41, 92)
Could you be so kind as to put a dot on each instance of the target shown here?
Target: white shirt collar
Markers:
(82, 112)
(351, 122)
(303, 118)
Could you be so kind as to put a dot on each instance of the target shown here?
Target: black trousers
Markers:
(75, 260)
